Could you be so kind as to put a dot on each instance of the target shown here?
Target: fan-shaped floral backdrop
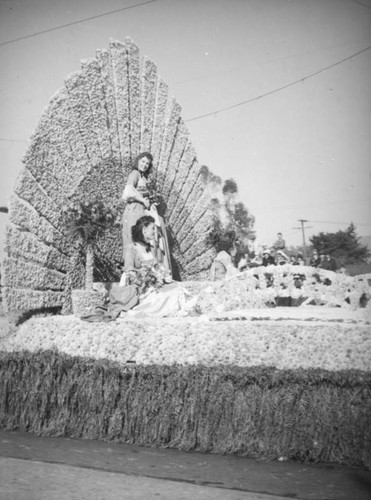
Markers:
(114, 108)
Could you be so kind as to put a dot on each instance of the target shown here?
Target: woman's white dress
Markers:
(169, 300)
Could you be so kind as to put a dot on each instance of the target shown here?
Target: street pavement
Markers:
(49, 468)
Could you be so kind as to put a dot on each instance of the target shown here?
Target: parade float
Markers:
(243, 375)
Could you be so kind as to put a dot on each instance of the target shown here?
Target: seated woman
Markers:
(145, 289)
(223, 268)
(141, 252)
(159, 295)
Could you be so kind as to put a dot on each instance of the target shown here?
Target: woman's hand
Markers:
(146, 203)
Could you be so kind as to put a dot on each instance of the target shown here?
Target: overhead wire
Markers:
(361, 3)
(283, 87)
(3, 139)
(333, 222)
(42, 32)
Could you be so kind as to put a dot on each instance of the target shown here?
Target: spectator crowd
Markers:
(277, 254)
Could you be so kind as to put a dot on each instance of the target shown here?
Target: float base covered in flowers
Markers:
(261, 383)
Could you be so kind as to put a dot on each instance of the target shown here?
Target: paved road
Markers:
(24, 479)
(34, 467)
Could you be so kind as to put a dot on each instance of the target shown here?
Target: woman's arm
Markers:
(131, 259)
(212, 272)
(131, 193)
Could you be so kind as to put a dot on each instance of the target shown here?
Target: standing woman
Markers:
(136, 195)
(137, 198)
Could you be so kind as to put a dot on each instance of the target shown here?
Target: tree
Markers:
(232, 220)
(230, 188)
(344, 246)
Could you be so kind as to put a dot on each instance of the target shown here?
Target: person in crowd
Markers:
(280, 243)
(300, 259)
(314, 260)
(223, 268)
(279, 246)
(256, 261)
(331, 263)
(268, 258)
(323, 262)
(293, 260)
(243, 263)
(138, 203)
(342, 270)
(281, 258)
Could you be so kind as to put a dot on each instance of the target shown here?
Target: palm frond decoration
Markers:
(85, 223)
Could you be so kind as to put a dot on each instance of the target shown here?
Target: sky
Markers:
(275, 94)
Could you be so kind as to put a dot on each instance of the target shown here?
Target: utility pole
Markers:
(302, 221)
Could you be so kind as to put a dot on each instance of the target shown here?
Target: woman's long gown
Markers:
(169, 300)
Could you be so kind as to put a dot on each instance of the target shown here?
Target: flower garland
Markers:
(314, 285)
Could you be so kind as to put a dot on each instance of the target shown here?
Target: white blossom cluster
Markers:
(317, 285)
(332, 345)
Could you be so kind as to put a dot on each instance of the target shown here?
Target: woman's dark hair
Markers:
(225, 241)
(139, 157)
(137, 230)
(225, 245)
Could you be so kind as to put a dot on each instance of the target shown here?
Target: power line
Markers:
(311, 75)
(75, 22)
(332, 222)
(361, 3)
